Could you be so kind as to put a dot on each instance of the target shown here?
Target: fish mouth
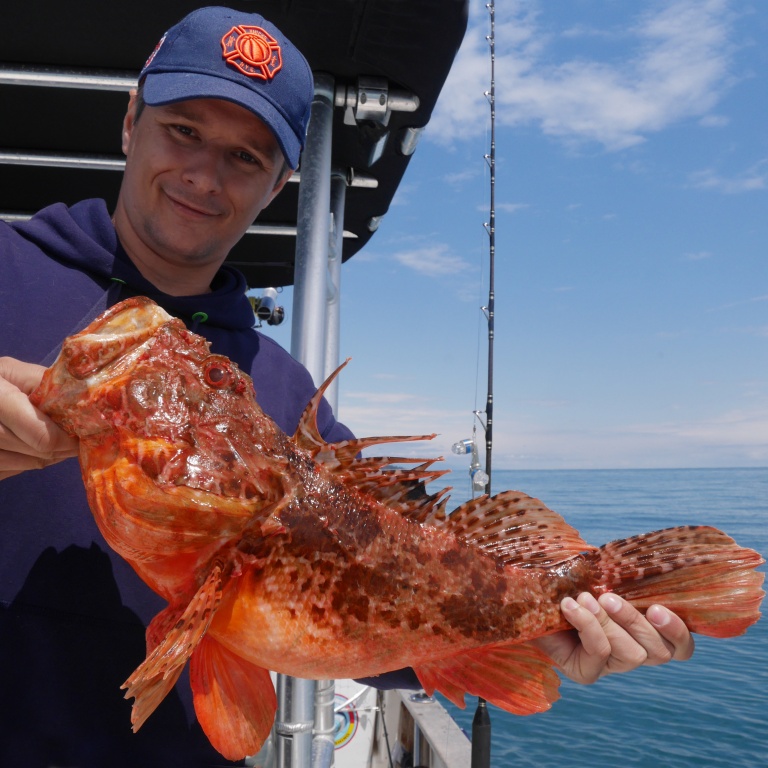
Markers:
(118, 333)
(121, 328)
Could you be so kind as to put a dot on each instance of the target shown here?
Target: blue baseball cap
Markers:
(220, 53)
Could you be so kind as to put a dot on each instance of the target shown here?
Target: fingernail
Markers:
(569, 604)
(610, 602)
(657, 615)
(589, 602)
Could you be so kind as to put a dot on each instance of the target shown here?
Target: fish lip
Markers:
(75, 351)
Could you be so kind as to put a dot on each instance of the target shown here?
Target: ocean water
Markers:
(709, 711)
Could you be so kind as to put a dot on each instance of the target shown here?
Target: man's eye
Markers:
(185, 130)
(247, 157)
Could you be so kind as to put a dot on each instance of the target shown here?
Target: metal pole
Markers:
(338, 199)
(323, 745)
(312, 239)
(296, 698)
(294, 722)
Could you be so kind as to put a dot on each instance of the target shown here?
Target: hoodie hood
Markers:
(83, 237)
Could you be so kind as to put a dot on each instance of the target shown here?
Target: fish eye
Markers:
(217, 373)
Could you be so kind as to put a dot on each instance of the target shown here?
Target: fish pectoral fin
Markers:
(234, 700)
(516, 677)
(154, 678)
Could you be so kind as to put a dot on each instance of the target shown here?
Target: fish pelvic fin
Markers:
(234, 700)
(514, 676)
(153, 679)
(698, 572)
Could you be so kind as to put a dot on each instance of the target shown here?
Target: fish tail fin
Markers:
(234, 700)
(514, 676)
(698, 572)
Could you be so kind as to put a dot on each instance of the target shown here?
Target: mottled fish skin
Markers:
(292, 555)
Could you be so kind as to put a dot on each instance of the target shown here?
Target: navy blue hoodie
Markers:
(72, 613)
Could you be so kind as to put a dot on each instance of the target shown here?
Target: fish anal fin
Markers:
(234, 700)
(166, 656)
(514, 676)
(516, 529)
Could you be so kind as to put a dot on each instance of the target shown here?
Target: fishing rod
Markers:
(481, 481)
(481, 722)
(491, 229)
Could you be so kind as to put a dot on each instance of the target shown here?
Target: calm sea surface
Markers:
(709, 711)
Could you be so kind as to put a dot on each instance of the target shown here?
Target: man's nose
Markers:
(204, 171)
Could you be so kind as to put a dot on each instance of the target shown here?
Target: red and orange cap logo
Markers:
(253, 51)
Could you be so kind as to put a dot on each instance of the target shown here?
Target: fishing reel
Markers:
(477, 476)
(266, 309)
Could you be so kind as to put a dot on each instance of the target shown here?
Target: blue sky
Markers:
(631, 245)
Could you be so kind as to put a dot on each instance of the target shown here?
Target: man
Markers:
(210, 139)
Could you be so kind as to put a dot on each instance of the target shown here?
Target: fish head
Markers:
(96, 364)
(138, 373)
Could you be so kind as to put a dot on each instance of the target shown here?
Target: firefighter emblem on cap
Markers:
(253, 51)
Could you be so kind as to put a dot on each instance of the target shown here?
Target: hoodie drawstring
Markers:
(110, 297)
(197, 320)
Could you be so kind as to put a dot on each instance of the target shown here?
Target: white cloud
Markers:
(740, 303)
(432, 260)
(715, 121)
(735, 438)
(461, 176)
(751, 180)
(676, 66)
(389, 398)
(511, 207)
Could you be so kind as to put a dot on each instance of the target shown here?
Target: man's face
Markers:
(197, 174)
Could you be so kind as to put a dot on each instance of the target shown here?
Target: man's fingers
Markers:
(588, 618)
(632, 635)
(13, 463)
(24, 429)
(23, 376)
(28, 438)
(673, 629)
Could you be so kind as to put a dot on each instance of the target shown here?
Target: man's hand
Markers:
(610, 636)
(28, 438)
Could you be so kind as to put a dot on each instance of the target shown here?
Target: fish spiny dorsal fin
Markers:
(383, 482)
(516, 529)
(307, 435)
(345, 452)
(399, 488)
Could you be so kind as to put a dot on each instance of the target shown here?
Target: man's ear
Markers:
(281, 182)
(129, 120)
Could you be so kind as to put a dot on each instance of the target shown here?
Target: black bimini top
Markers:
(65, 69)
